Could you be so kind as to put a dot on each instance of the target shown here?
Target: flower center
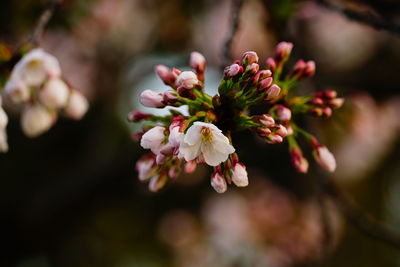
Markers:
(206, 135)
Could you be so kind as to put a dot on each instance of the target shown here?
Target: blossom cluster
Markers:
(36, 86)
(179, 141)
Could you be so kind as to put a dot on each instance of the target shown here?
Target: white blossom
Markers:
(36, 120)
(153, 139)
(175, 136)
(205, 139)
(218, 183)
(17, 91)
(151, 99)
(187, 79)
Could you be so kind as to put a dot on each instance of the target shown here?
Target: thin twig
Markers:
(358, 218)
(226, 52)
(43, 21)
(373, 21)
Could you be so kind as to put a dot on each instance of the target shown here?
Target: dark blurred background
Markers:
(72, 198)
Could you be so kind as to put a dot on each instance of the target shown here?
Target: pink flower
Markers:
(151, 99)
(197, 62)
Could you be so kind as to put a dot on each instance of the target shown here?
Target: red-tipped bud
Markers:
(197, 62)
(298, 68)
(185, 92)
(249, 58)
(283, 50)
(283, 113)
(218, 182)
(317, 101)
(151, 99)
(298, 161)
(136, 116)
(263, 132)
(330, 94)
(166, 75)
(275, 138)
(325, 158)
(264, 84)
(265, 74)
(271, 63)
(327, 112)
(252, 68)
(336, 102)
(170, 96)
(173, 172)
(239, 175)
(187, 79)
(309, 69)
(273, 92)
(137, 136)
(190, 166)
(266, 120)
(233, 70)
(281, 130)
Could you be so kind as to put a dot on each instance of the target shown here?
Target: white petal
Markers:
(193, 135)
(190, 152)
(211, 156)
(153, 138)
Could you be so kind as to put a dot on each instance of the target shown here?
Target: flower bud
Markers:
(54, 94)
(309, 69)
(265, 74)
(187, 79)
(185, 92)
(166, 75)
(160, 159)
(249, 58)
(136, 116)
(77, 105)
(3, 117)
(275, 139)
(273, 92)
(298, 68)
(298, 161)
(239, 176)
(266, 120)
(327, 112)
(262, 131)
(283, 50)
(336, 102)
(233, 70)
(36, 120)
(145, 167)
(151, 99)
(330, 94)
(218, 183)
(281, 130)
(252, 68)
(271, 63)
(167, 149)
(170, 97)
(17, 91)
(153, 139)
(173, 172)
(283, 113)
(197, 62)
(265, 83)
(157, 182)
(325, 158)
(190, 166)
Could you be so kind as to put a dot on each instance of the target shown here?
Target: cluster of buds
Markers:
(322, 104)
(37, 87)
(181, 141)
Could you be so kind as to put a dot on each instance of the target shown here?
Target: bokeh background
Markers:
(72, 198)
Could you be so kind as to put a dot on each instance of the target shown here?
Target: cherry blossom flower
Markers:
(207, 140)
(153, 139)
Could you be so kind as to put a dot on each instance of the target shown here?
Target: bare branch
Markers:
(226, 52)
(373, 21)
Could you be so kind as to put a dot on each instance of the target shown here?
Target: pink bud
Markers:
(266, 120)
(166, 75)
(197, 62)
(336, 102)
(170, 97)
(136, 116)
(330, 94)
(185, 92)
(262, 131)
(190, 166)
(327, 112)
(325, 158)
(239, 176)
(151, 99)
(187, 79)
(273, 92)
(218, 183)
(161, 159)
(283, 113)
(253, 68)
(167, 149)
(298, 161)
(281, 130)
(233, 70)
(317, 101)
(145, 167)
(271, 63)
(275, 138)
(283, 50)
(157, 182)
(265, 74)
(173, 172)
(298, 68)
(309, 69)
(265, 83)
(249, 58)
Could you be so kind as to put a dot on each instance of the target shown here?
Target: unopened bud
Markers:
(218, 183)
(274, 139)
(54, 94)
(265, 74)
(190, 166)
(160, 159)
(239, 176)
(298, 68)
(266, 120)
(166, 75)
(262, 131)
(185, 92)
(136, 116)
(77, 105)
(233, 70)
(265, 83)
(283, 113)
(157, 182)
(271, 63)
(336, 102)
(327, 112)
(187, 79)
(170, 96)
(197, 62)
(249, 58)
(151, 99)
(36, 120)
(309, 69)
(252, 68)
(298, 161)
(283, 50)
(281, 130)
(273, 92)
(325, 158)
(17, 91)
(330, 94)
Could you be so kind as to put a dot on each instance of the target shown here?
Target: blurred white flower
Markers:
(36, 120)
(3, 133)
(205, 139)
(325, 158)
(54, 93)
(17, 91)
(239, 176)
(218, 183)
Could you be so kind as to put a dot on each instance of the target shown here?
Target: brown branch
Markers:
(226, 50)
(373, 21)
(43, 21)
(363, 222)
